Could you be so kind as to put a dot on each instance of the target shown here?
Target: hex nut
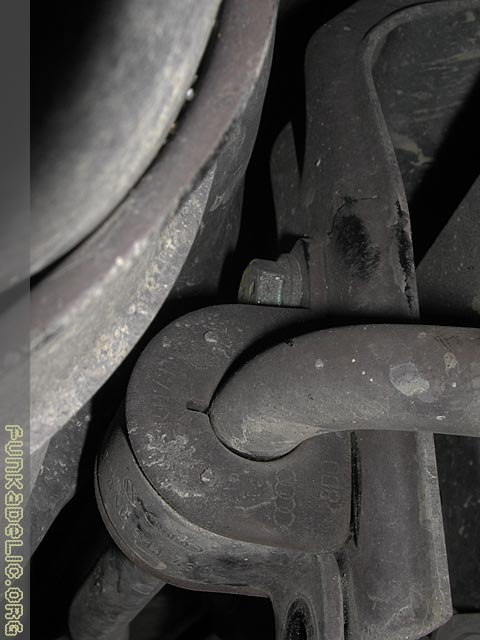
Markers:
(280, 283)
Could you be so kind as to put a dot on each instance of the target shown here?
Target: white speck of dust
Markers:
(319, 364)
(371, 379)
(441, 417)
(454, 384)
(353, 360)
(363, 373)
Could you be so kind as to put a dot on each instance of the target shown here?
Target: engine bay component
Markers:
(280, 447)
(154, 476)
(216, 521)
(94, 139)
(188, 510)
(114, 593)
(401, 377)
(133, 261)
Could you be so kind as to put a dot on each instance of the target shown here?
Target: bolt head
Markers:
(262, 283)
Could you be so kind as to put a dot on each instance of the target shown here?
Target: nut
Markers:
(280, 283)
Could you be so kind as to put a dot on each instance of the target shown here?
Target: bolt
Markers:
(280, 283)
(262, 283)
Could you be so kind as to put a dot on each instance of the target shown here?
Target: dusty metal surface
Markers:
(458, 462)
(430, 102)
(114, 593)
(93, 308)
(192, 512)
(349, 194)
(449, 282)
(104, 121)
(449, 274)
(173, 384)
(69, 459)
(382, 377)
(169, 545)
(368, 272)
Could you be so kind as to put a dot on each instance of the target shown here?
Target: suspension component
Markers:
(113, 594)
(344, 533)
(189, 511)
(383, 377)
